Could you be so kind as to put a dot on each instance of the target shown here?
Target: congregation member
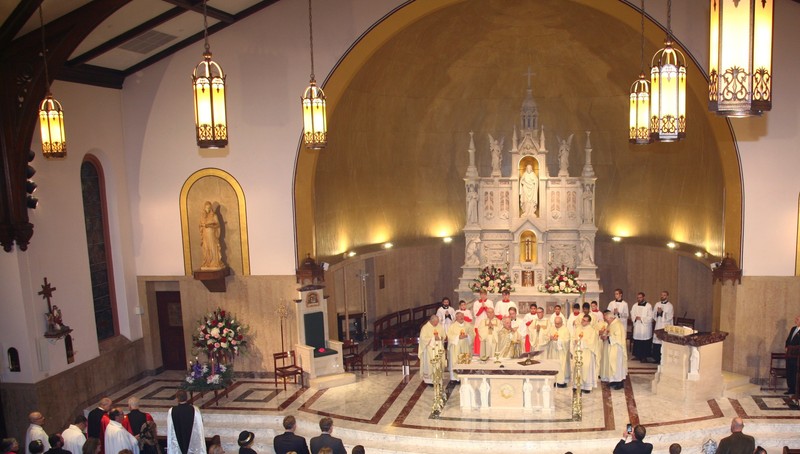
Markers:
(557, 313)
(36, 447)
(358, 449)
(135, 419)
(642, 316)
(326, 440)
(462, 307)
(737, 442)
(116, 437)
(56, 445)
(558, 349)
(446, 313)
(675, 448)
(97, 419)
(574, 319)
(619, 307)
(479, 308)
(36, 432)
(663, 314)
(431, 338)
(9, 446)
(509, 341)
(185, 431)
(587, 340)
(288, 441)
(502, 307)
(537, 331)
(487, 331)
(459, 342)
(245, 442)
(636, 445)
(614, 360)
(792, 340)
(73, 436)
(92, 446)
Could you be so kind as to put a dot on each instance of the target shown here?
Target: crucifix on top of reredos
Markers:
(210, 232)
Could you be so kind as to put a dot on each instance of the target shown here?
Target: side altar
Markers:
(530, 221)
(691, 364)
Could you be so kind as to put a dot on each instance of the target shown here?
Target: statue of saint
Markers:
(588, 210)
(472, 205)
(209, 239)
(587, 251)
(496, 147)
(529, 191)
(472, 253)
(563, 156)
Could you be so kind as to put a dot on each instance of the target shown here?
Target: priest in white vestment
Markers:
(587, 340)
(479, 308)
(537, 331)
(614, 363)
(431, 338)
(509, 342)
(501, 307)
(35, 431)
(558, 349)
(664, 316)
(620, 309)
(185, 431)
(459, 342)
(487, 331)
(117, 437)
(446, 313)
(642, 317)
(74, 436)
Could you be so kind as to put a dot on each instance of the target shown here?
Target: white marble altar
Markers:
(507, 384)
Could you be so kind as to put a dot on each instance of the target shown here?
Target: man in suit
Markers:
(325, 440)
(737, 442)
(791, 363)
(95, 427)
(636, 445)
(288, 441)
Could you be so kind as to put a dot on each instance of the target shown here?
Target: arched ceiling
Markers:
(399, 131)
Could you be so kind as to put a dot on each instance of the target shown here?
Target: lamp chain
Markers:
(205, 27)
(311, 38)
(44, 51)
(669, 19)
(641, 55)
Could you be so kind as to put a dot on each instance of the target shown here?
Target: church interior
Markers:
(416, 90)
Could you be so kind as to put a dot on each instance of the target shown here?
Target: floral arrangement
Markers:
(492, 280)
(202, 377)
(562, 280)
(220, 335)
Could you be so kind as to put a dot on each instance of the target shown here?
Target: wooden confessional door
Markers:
(170, 326)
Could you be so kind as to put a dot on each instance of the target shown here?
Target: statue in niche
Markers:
(209, 239)
(472, 205)
(472, 258)
(563, 156)
(496, 147)
(529, 191)
(588, 209)
(587, 251)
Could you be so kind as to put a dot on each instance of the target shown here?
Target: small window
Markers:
(13, 360)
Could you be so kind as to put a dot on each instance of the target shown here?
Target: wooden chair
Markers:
(777, 369)
(412, 348)
(285, 370)
(681, 321)
(788, 450)
(351, 357)
(393, 351)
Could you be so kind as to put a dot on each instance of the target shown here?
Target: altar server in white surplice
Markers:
(596, 313)
(459, 341)
(117, 437)
(446, 313)
(509, 342)
(557, 312)
(431, 338)
(501, 307)
(587, 339)
(537, 331)
(558, 349)
(575, 317)
(663, 314)
(468, 317)
(642, 317)
(479, 308)
(620, 309)
(614, 363)
(487, 330)
(74, 436)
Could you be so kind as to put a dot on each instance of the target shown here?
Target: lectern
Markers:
(691, 365)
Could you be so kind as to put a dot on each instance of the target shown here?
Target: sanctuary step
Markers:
(737, 385)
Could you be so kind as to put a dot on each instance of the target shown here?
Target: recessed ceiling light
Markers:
(616, 239)
(447, 239)
(387, 245)
(672, 245)
(351, 253)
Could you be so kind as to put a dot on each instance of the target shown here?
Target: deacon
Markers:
(537, 331)
(185, 432)
(620, 309)
(117, 437)
(487, 330)
(459, 344)
(663, 314)
(586, 340)
(431, 339)
(446, 313)
(462, 307)
(642, 315)
(501, 307)
(509, 342)
(558, 349)
(479, 308)
(614, 362)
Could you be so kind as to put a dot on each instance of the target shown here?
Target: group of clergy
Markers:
(494, 330)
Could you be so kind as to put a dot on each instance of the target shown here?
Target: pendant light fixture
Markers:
(668, 90)
(740, 57)
(315, 122)
(640, 102)
(208, 82)
(51, 115)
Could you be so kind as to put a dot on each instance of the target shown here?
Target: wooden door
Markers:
(170, 326)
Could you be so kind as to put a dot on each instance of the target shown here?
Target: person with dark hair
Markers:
(793, 341)
(35, 431)
(245, 442)
(73, 436)
(619, 307)
(325, 440)
(92, 446)
(288, 441)
(760, 450)
(36, 447)
(56, 445)
(642, 315)
(737, 442)
(116, 437)
(9, 446)
(636, 445)
(358, 449)
(185, 431)
(675, 448)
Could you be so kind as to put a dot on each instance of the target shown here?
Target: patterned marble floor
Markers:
(391, 413)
